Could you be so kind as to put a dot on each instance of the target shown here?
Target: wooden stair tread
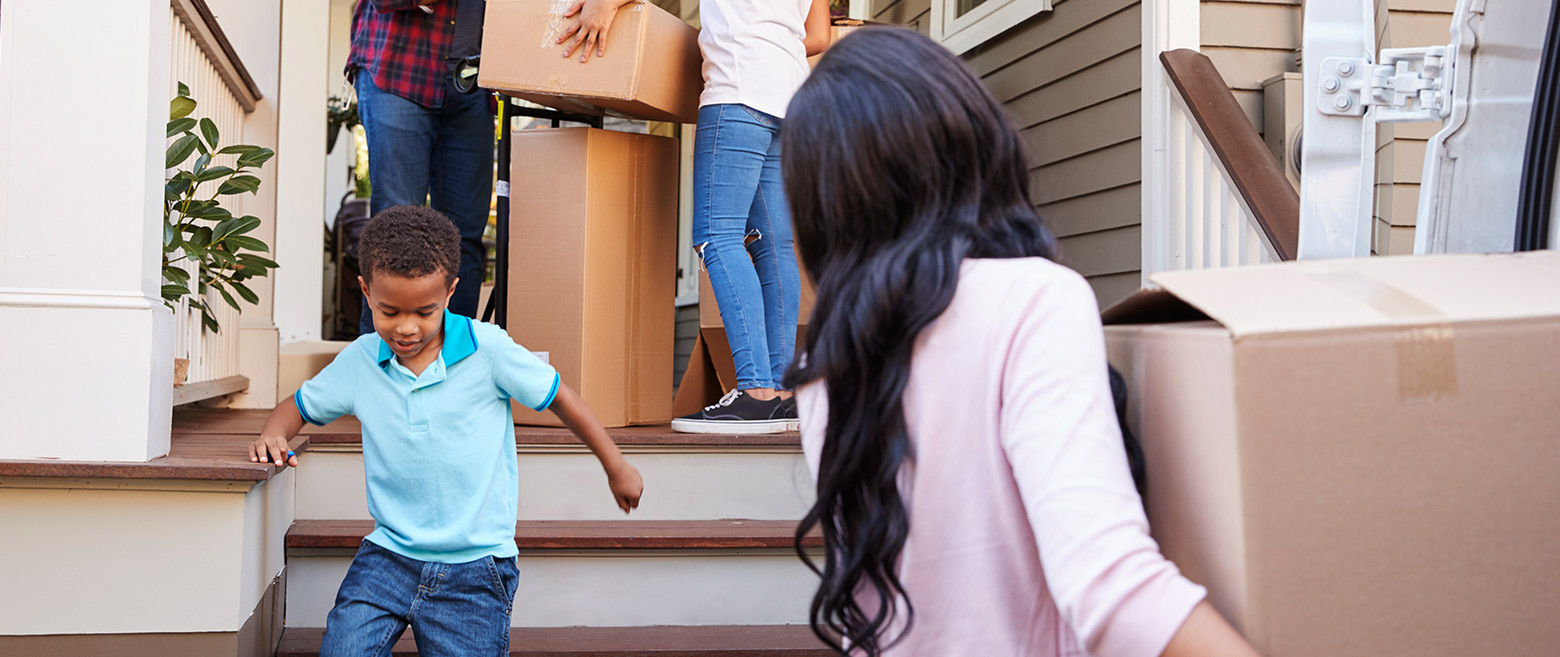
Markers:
(589, 534)
(656, 641)
(347, 431)
(191, 457)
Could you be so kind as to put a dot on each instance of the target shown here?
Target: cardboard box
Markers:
(1358, 457)
(838, 30)
(593, 245)
(711, 371)
(652, 69)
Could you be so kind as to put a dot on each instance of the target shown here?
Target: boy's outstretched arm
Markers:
(621, 477)
(284, 423)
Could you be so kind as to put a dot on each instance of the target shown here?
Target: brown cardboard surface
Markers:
(1334, 505)
(593, 262)
(652, 69)
(709, 310)
(839, 29)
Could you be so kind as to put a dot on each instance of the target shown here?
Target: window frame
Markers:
(984, 22)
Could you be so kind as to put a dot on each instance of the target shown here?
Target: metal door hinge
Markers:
(1409, 84)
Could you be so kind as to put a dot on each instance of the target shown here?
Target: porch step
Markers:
(658, 573)
(589, 535)
(705, 641)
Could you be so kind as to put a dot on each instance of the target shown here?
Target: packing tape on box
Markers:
(556, 23)
(1426, 358)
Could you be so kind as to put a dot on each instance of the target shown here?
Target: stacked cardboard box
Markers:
(593, 242)
(1358, 457)
(651, 70)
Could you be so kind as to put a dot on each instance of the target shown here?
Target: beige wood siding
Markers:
(1411, 23)
(1071, 80)
(1250, 41)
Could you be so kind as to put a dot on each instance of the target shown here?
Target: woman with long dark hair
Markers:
(973, 492)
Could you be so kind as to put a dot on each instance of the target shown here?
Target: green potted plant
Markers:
(197, 229)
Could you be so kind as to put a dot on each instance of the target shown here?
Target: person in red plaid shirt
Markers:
(430, 133)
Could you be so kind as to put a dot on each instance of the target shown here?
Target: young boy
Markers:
(432, 391)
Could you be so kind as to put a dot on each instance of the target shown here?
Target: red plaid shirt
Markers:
(403, 47)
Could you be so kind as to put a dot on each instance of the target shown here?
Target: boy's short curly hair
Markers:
(409, 241)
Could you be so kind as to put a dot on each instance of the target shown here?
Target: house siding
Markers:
(1411, 23)
(1071, 80)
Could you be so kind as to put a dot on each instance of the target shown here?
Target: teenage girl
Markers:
(973, 491)
(755, 57)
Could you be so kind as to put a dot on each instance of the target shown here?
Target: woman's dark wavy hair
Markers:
(898, 165)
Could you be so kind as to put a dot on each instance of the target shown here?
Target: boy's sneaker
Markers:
(793, 421)
(736, 413)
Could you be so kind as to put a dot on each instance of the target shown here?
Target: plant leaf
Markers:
(210, 321)
(246, 242)
(226, 296)
(201, 237)
(208, 129)
(175, 274)
(172, 292)
(213, 173)
(181, 107)
(200, 165)
(236, 226)
(240, 149)
(256, 159)
(240, 184)
(180, 151)
(184, 90)
(248, 294)
(252, 261)
(177, 126)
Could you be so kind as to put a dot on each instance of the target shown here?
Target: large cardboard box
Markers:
(711, 372)
(652, 69)
(1358, 457)
(593, 246)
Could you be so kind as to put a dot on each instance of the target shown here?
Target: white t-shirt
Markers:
(753, 52)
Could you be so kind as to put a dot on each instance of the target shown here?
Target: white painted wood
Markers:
(121, 561)
(687, 484)
(1167, 25)
(612, 588)
(300, 176)
(57, 158)
(981, 23)
(268, 513)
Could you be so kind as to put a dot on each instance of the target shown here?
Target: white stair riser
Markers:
(688, 485)
(767, 587)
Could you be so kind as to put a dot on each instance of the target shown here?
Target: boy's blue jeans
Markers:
(737, 193)
(455, 610)
(441, 157)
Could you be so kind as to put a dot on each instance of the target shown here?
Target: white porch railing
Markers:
(1214, 195)
(1208, 226)
(213, 357)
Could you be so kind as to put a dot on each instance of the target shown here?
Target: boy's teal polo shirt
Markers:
(438, 449)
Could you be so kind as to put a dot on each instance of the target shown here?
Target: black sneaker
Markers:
(736, 413)
(788, 411)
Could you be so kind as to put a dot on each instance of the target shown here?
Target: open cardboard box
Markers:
(711, 372)
(652, 69)
(1357, 457)
(593, 248)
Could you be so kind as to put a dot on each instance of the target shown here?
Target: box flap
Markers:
(1356, 293)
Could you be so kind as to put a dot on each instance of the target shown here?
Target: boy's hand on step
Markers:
(626, 486)
(272, 450)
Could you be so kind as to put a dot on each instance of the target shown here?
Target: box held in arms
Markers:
(652, 69)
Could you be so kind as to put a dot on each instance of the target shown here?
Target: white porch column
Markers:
(81, 317)
(255, 30)
(300, 168)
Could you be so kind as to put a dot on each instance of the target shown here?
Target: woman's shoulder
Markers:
(1020, 277)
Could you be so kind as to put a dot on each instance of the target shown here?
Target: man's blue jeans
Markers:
(442, 157)
(737, 194)
(454, 610)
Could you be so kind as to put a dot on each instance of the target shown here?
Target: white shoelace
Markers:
(725, 401)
